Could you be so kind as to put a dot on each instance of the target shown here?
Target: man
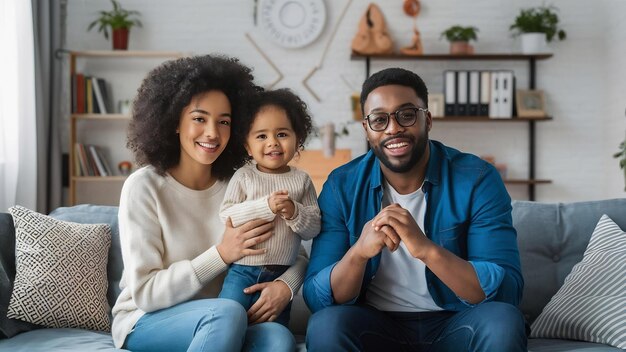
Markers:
(417, 250)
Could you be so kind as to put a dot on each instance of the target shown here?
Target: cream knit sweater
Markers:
(246, 199)
(168, 235)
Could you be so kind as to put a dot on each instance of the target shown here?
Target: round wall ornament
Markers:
(292, 23)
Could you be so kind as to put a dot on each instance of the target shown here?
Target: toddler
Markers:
(276, 128)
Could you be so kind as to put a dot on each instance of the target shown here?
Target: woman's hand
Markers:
(237, 241)
(274, 298)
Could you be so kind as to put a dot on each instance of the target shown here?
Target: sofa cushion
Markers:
(557, 345)
(65, 340)
(100, 214)
(8, 327)
(551, 239)
(591, 304)
(60, 276)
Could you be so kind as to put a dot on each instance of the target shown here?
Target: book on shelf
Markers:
(99, 167)
(78, 93)
(90, 95)
(90, 161)
(97, 86)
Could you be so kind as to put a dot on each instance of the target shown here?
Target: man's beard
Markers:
(416, 154)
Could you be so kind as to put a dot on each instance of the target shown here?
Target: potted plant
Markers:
(537, 26)
(459, 38)
(120, 22)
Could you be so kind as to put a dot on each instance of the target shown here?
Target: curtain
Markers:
(18, 156)
(50, 95)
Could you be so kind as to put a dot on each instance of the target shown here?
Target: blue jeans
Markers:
(491, 326)
(242, 276)
(206, 325)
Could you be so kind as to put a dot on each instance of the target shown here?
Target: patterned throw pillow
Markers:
(591, 304)
(61, 268)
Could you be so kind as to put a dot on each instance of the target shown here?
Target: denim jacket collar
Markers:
(433, 169)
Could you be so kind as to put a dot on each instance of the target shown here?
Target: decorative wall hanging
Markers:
(319, 65)
(372, 37)
(269, 61)
(292, 24)
(412, 8)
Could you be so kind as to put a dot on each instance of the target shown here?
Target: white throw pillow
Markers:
(591, 304)
(61, 272)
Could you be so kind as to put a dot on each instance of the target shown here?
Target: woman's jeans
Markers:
(242, 276)
(206, 325)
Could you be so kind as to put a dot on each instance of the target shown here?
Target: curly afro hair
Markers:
(294, 107)
(397, 76)
(166, 91)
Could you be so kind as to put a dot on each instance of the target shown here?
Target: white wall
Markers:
(584, 81)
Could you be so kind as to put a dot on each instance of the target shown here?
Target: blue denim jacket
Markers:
(468, 212)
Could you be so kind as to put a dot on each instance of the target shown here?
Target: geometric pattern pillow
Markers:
(61, 268)
(591, 304)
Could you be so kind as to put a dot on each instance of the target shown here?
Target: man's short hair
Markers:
(391, 76)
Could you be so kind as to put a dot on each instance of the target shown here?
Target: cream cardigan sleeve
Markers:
(237, 208)
(152, 285)
(307, 222)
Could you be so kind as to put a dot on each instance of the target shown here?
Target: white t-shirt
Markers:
(400, 282)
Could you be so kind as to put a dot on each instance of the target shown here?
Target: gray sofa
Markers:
(551, 237)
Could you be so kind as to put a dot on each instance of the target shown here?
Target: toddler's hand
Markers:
(280, 204)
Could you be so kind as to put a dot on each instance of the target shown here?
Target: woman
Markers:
(175, 248)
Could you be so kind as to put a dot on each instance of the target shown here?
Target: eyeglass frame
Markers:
(395, 115)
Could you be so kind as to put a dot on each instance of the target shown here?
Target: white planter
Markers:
(534, 43)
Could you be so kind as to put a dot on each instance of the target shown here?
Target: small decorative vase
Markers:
(534, 43)
(461, 48)
(120, 39)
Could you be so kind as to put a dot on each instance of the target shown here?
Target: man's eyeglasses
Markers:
(406, 117)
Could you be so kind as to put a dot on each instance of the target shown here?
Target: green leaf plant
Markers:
(116, 19)
(460, 34)
(541, 19)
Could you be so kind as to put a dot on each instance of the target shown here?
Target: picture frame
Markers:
(435, 105)
(530, 103)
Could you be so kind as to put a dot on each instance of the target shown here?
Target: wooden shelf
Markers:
(485, 56)
(100, 117)
(125, 53)
(488, 119)
(512, 181)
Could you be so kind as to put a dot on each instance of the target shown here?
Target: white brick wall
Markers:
(584, 81)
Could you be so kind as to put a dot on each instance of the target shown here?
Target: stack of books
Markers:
(90, 95)
(90, 161)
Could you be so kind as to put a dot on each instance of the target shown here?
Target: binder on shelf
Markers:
(506, 94)
(485, 90)
(494, 101)
(450, 93)
(461, 91)
(474, 93)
